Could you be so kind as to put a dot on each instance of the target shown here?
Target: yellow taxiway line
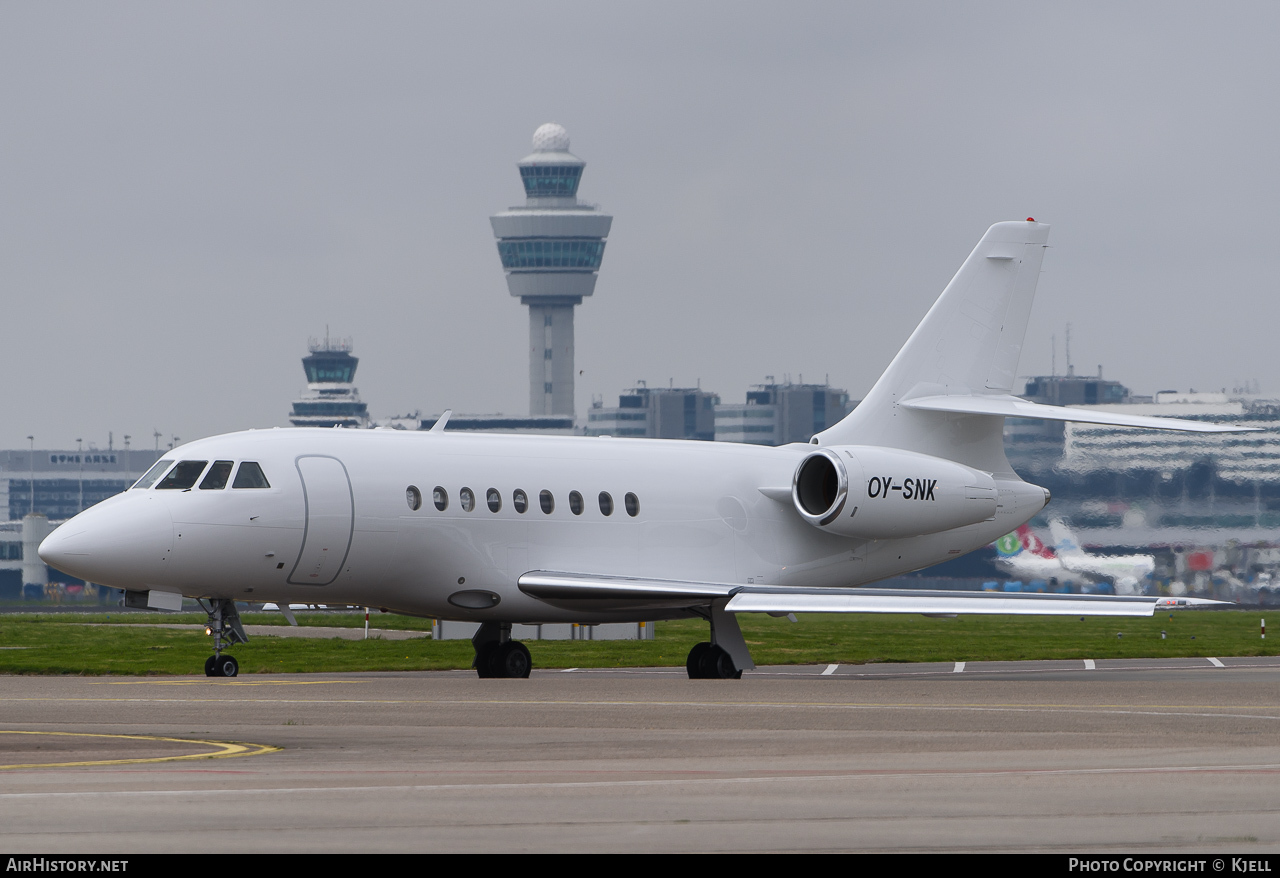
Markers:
(222, 750)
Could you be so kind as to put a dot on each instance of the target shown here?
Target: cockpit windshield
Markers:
(250, 475)
(219, 475)
(183, 476)
(152, 474)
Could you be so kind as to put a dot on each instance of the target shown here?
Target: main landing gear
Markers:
(225, 628)
(726, 656)
(497, 655)
(709, 661)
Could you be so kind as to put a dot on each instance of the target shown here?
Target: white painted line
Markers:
(568, 670)
(856, 777)
(831, 669)
(1088, 665)
(958, 669)
(1216, 663)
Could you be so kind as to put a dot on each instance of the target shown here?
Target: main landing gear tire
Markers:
(710, 662)
(510, 660)
(221, 666)
(483, 663)
(693, 663)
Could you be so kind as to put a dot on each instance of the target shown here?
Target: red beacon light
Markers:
(1031, 219)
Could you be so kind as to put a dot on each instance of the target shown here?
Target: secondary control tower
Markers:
(551, 249)
(331, 399)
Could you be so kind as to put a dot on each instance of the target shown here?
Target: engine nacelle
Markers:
(883, 493)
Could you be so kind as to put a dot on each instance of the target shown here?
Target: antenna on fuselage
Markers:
(438, 426)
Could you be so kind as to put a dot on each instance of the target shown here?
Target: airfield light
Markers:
(32, 461)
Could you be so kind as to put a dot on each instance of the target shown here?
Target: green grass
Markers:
(98, 643)
(324, 619)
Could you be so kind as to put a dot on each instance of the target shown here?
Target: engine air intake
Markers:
(820, 487)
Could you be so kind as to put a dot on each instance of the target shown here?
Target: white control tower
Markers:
(551, 249)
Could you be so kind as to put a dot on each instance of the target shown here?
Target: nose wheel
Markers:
(225, 629)
(221, 666)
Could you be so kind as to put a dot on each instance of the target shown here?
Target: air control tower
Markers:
(551, 249)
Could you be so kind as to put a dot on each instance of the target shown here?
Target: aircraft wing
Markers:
(1013, 407)
(584, 591)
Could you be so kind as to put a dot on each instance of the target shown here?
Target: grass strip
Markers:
(93, 644)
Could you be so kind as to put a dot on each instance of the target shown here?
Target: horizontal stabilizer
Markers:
(1013, 407)
(616, 592)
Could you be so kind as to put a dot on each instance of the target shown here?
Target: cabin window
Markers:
(520, 500)
(632, 503)
(250, 475)
(149, 478)
(575, 502)
(183, 476)
(218, 476)
(547, 502)
(440, 497)
(494, 499)
(413, 497)
(606, 503)
(467, 499)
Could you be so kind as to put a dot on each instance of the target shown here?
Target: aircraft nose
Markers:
(121, 544)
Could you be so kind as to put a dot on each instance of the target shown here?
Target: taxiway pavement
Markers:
(1166, 755)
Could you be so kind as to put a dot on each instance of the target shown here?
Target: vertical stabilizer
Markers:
(1064, 541)
(967, 345)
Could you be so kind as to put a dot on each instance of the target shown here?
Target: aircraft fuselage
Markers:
(337, 524)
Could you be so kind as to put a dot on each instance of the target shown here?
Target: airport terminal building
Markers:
(43, 487)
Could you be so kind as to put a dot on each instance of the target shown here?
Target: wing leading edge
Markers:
(583, 591)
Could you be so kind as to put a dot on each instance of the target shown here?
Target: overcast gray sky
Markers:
(188, 191)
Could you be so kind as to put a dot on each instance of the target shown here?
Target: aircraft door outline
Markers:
(328, 519)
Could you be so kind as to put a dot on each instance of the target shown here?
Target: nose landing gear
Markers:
(225, 628)
(221, 666)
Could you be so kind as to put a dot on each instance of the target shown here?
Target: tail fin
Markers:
(967, 345)
(1064, 541)
(1022, 540)
(1033, 543)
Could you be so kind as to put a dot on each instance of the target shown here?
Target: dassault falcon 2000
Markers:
(521, 529)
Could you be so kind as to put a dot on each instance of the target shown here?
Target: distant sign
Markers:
(82, 458)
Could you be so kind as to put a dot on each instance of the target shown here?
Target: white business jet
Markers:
(532, 529)
(1023, 554)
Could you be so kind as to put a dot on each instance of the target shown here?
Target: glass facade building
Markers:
(657, 413)
(779, 414)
